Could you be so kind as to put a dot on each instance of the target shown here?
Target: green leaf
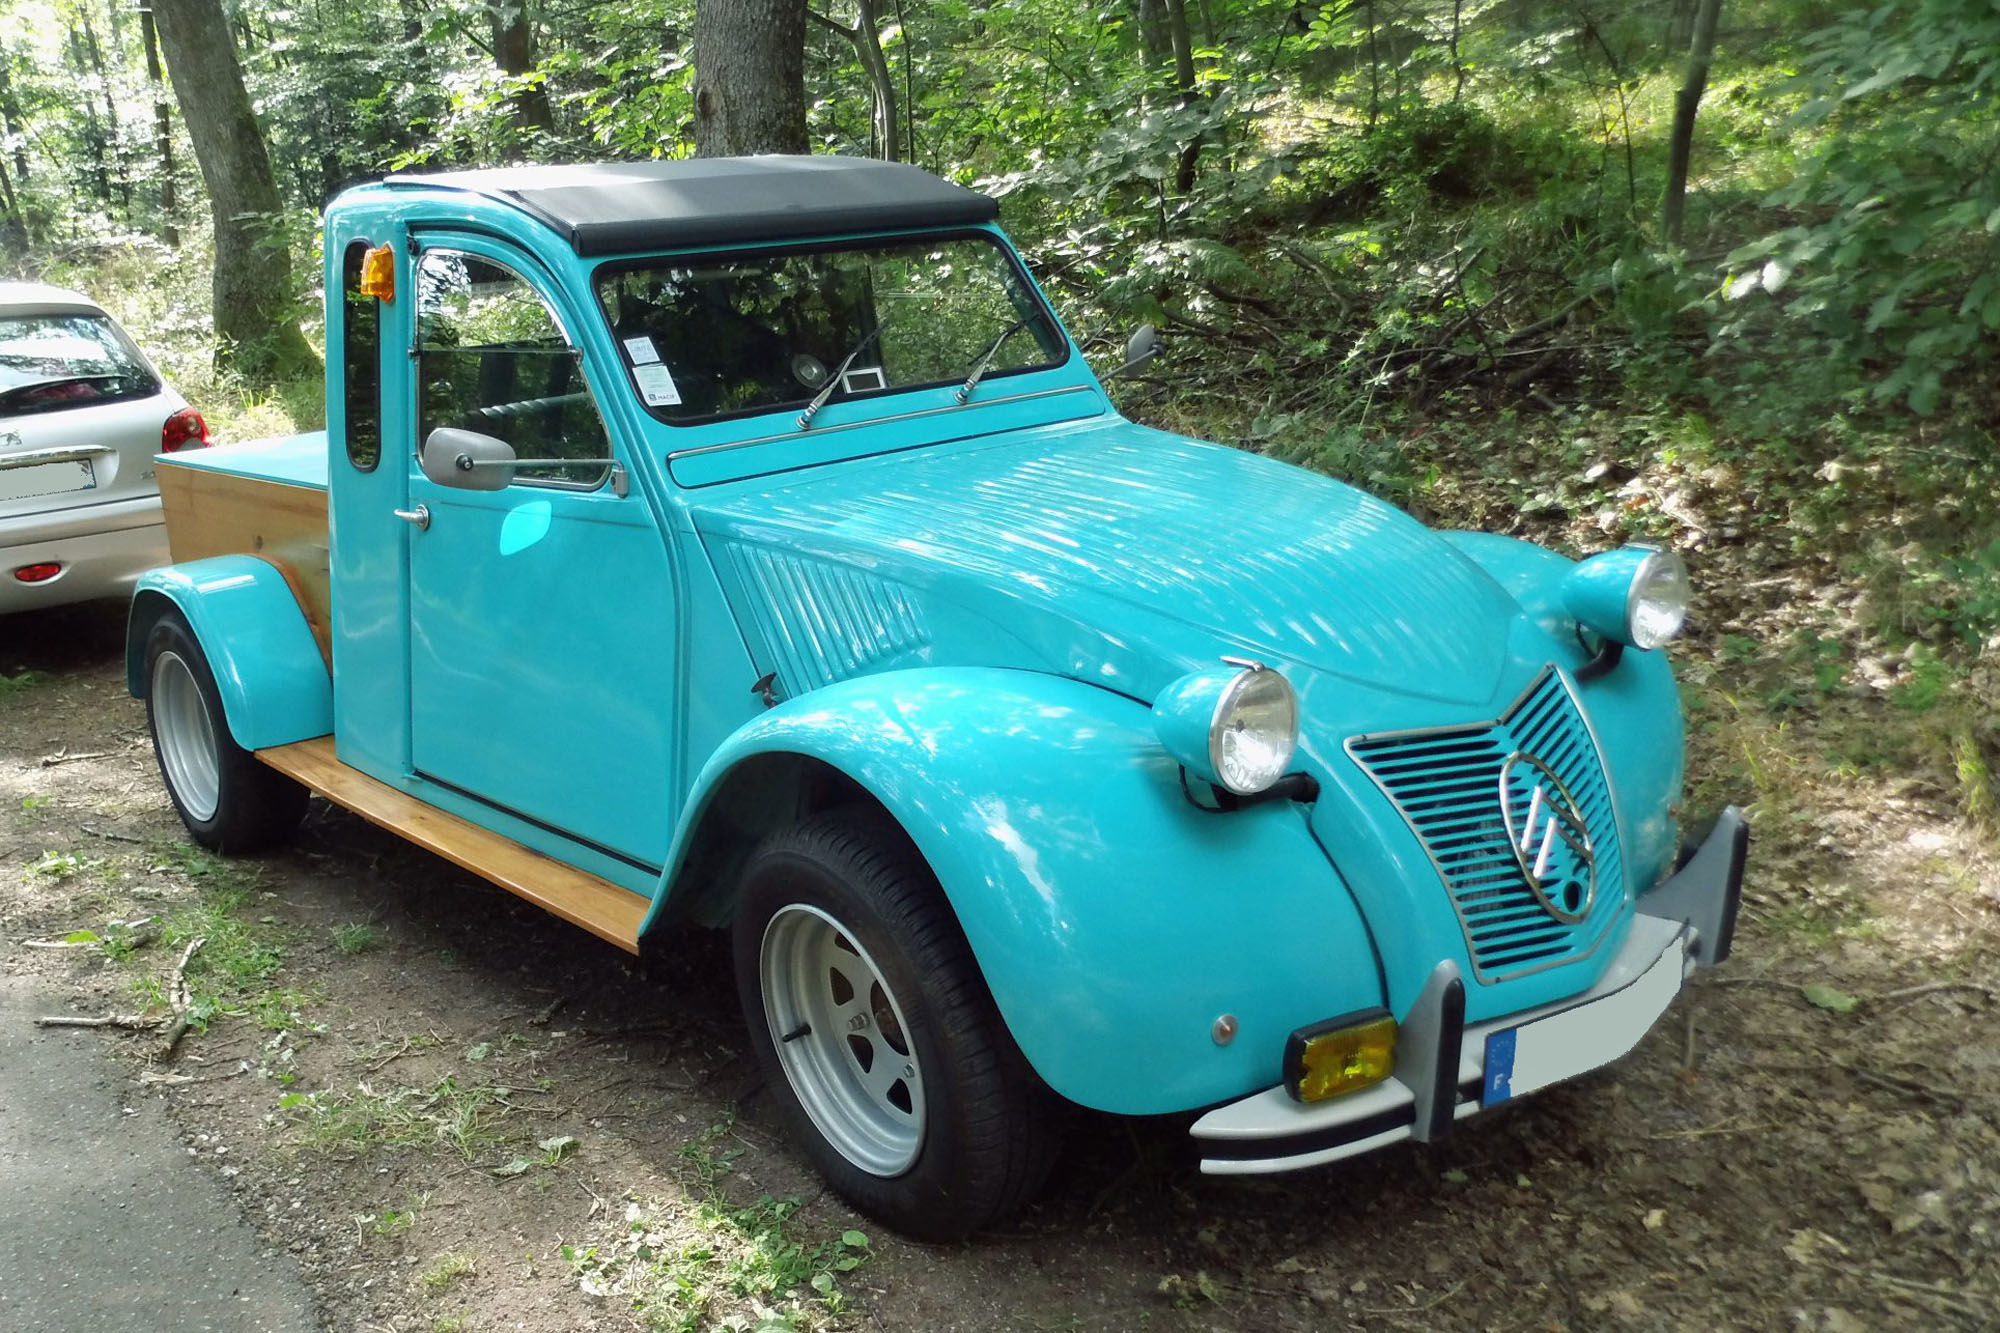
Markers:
(1829, 998)
(854, 1240)
(518, 1167)
(81, 937)
(1455, 1176)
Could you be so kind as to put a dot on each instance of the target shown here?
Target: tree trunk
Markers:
(514, 53)
(115, 139)
(1156, 44)
(1177, 30)
(14, 227)
(1701, 48)
(253, 273)
(163, 131)
(93, 133)
(10, 118)
(749, 77)
(868, 41)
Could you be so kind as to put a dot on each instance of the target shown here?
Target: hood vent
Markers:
(823, 622)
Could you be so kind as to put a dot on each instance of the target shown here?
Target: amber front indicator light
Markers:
(38, 573)
(1340, 1055)
(183, 430)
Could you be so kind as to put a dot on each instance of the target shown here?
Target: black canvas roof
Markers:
(618, 207)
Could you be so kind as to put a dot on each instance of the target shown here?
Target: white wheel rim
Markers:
(842, 1041)
(185, 735)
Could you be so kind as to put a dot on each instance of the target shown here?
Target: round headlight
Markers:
(1658, 604)
(1255, 730)
(1233, 729)
(1635, 595)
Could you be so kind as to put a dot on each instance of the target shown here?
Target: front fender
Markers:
(274, 683)
(1113, 921)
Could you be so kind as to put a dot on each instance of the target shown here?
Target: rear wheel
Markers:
(891, 1067)
(229, 801)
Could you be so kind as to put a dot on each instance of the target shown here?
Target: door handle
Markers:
(420, 516)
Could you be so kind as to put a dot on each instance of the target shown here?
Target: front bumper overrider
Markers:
(1446, 1071)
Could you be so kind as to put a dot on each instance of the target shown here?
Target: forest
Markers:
(1719, 274)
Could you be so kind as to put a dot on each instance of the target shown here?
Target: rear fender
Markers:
(1114, 922)
(274, 684)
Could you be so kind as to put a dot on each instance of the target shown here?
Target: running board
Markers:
(578, 897)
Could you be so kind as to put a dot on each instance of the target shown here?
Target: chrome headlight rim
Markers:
(1659, 566)
(1252, 676)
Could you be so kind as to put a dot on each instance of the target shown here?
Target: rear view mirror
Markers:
(467, 460)
(1144, 346)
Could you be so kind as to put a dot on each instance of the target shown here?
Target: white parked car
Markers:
(82, 415)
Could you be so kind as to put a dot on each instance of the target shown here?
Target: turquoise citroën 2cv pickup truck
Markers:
(746, 543)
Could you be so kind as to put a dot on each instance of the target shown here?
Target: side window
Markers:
(492, 357)
(361, 358)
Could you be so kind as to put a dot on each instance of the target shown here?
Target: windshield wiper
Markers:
(833, 380)
(992, 350)
(8, 397)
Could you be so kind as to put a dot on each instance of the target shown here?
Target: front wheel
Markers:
(229, 801)
(890, 1064)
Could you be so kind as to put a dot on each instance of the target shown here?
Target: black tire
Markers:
(248, 805)
(987, 1123)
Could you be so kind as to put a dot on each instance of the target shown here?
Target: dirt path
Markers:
(459, 1113)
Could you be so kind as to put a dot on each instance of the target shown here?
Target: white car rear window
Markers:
(53, 361)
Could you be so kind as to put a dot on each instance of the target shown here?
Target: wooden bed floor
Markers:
(599, 906)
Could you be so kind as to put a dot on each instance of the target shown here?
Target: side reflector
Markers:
(1340, 1055)
(378, 273)
(38, 573)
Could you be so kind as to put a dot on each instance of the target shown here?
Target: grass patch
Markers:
(61, 867)
(22, 681)
(466, 1120)
(708, 1263)
(445, 1271)
(356, 937)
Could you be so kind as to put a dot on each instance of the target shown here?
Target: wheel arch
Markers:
(1104, 911)
(275, 686)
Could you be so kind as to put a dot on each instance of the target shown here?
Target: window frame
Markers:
(520, 270)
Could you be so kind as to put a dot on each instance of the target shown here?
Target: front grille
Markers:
(1446, 783)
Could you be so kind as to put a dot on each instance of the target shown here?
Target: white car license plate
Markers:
(1549, 1050)
(31, 479)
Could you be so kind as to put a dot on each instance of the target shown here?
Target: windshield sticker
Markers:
(656, 383)
(863, 378)
(642, 352)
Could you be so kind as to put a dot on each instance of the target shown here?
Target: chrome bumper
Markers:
(1446, 1071)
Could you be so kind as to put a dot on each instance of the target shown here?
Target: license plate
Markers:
(28, 480)
(1521, 1059)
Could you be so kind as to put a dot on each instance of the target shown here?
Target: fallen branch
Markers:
(182, 1000)
(106, 833)
(61, 944)
(1934, 988)
(136, 1022)
(65, 757)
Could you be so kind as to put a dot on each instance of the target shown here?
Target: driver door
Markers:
(542, 615)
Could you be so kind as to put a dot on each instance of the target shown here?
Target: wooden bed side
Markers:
(221, 513)
(599, 906)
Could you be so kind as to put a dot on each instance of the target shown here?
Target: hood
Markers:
(1106, 551)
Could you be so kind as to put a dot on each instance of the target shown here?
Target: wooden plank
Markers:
(578, 897)
(220, 513)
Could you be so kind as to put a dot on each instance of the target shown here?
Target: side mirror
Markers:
(1144, 346)
(467, 460)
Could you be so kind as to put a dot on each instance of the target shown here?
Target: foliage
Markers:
(1891, 265)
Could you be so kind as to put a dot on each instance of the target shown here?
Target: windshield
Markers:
(54, 361)
(720, 336)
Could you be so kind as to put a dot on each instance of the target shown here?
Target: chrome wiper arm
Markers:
(992, 350)
(819, 399)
